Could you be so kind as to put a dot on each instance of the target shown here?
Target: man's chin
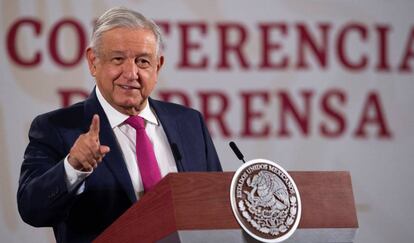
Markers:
(131, 102)
(131, 108)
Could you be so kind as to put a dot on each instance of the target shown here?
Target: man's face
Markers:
(126, 67)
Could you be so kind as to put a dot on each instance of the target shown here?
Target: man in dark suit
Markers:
(81, 169)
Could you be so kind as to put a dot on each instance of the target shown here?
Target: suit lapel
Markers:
(114, 160)
(172, 129)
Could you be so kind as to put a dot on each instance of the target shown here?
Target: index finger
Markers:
(94, 128)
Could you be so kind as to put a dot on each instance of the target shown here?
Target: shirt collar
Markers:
(116, 118)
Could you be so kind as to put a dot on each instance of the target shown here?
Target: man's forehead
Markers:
(123, 42)
(127, 52)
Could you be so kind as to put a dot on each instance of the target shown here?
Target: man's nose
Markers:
(130, 70)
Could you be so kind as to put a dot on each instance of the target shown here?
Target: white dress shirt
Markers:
(125, 135)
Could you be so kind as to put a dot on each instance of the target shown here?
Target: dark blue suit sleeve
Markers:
(213, 162)
(42, 197)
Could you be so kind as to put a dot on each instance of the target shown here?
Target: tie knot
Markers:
(136, 122)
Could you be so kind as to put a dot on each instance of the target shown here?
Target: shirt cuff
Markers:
(73, 176)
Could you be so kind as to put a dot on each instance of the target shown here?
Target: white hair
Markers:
(119, 17)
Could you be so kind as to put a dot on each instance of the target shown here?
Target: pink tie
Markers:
(147, 163)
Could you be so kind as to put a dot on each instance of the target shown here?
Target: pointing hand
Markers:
(87, 152)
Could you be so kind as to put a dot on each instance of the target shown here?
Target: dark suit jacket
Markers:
(43, 198)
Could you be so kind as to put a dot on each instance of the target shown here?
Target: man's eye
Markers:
(117, 60)
(142, 62)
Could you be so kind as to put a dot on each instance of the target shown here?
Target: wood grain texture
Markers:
(327, 199)
(199, 201)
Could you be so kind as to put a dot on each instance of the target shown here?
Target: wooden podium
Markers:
(195, 207)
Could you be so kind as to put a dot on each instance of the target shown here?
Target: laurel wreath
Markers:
(273, 230)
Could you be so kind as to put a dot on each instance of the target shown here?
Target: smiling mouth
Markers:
(128, 87)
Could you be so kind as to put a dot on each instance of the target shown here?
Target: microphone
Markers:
(236, 150)
(176, 152)
(177, 156)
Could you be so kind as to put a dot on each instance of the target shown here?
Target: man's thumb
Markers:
(104, 149)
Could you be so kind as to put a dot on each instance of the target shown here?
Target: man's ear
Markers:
(160, 63)
(91, 58)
